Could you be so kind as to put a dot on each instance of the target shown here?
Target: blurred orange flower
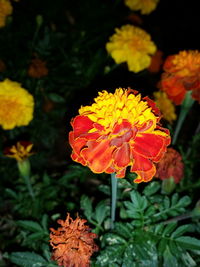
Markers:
(37, 68)
(73, 243)
(21, 151)
(5, 10)
(165, 105)
(156, 62)
(182, 73)
(171, 165)
(145, 6)
(117, 131)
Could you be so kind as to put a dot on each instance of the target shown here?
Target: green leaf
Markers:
(151, 188)
(114, 239)
(169, 228)
(181, 230)
(169, 259)
(100, 212)
(124, 229)
(86, 205)
(30, 225)
(28, 259)
(184, 201)
(188, 242)
(139, 202)
(174, 199)
(56, 98)
(166, 202)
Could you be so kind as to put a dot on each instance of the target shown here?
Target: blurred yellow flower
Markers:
(165, 105)
(133, 45)
(21, 151)
(16, 105)
(5, 10)
(145, 6)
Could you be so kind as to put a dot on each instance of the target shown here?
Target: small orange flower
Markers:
(73, 243)
(21, 151)
(171, 165)
(117, 131)
(37, 68)
(182, 73)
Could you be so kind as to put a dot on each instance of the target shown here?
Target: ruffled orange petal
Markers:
(81, 125)
(143, 167)
(143, 145)
(121, 156)
(98, 155)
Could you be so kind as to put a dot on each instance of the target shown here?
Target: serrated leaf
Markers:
(100, 212)
(131, 211)
(174, 199)
(181, 230)
(114, 239)
(86, 205)
(159, 228)
(124, 229)
(188, 242)
(139, 201)
(27, 259)
(169, 228)
(30, 225)
(151, 188)
(36, 236)
(184, 201)
(166, 202)
(169, 259)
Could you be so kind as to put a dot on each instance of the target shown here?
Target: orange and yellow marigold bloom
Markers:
(182, 74)
(21, 151)
(165, 105)
(171, 165)
(144, 6)
(73, 243)
(132, 45)
(117, 131)
(5, 10)
(16, 105)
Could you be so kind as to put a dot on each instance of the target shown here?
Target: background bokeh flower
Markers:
(73, 243)
(16, 105)
(37, 68)
(165, 105)
(117, 131)
(171, 165)
(132, 45)
(182, 73)
(144, 6)
(5, 10)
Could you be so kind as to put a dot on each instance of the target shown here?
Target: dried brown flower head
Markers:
(73, 243)
(171, 165)
(37, 68)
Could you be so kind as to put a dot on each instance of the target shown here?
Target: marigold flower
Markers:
(145, 6)
(117, 131)
(5, 10)
(37, 68)
(73, 243)
(165, 105)
(16, 105)
(182, 73)
(133, 45)
(171, 165)
(21, 151)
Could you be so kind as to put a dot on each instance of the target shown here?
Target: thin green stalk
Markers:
(185, 107)
(29, 186)
(114, 198)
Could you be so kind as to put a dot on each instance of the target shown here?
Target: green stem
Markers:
(29, 186)
(185, 107)
(114, 198)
